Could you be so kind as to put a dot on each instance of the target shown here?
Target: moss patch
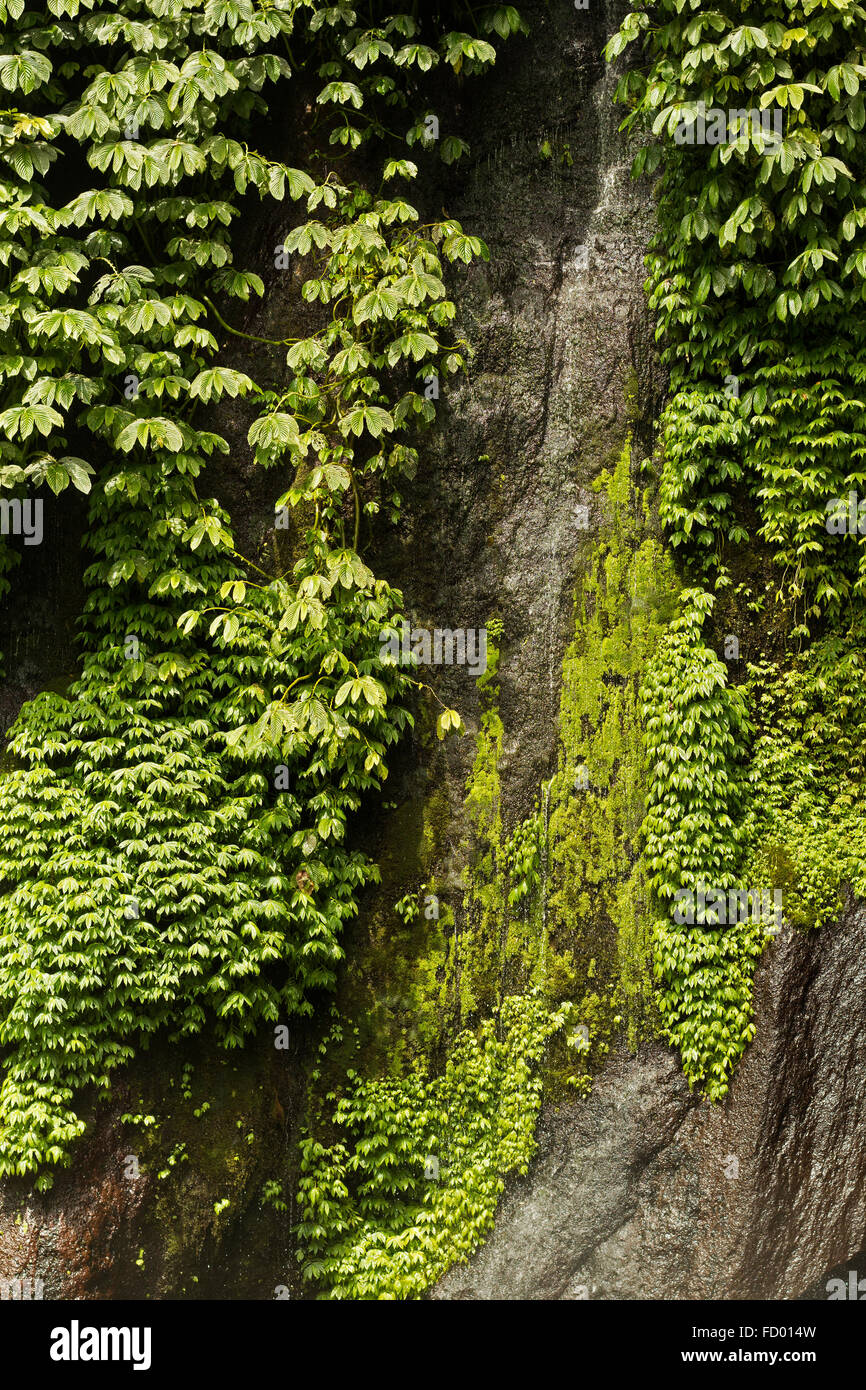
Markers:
(550, 937)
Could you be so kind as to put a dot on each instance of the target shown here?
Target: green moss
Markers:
(478, 944)
(599, 908)
(551, 938)
(560, 902)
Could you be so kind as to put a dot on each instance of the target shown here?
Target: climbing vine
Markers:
(401, 1178)
(174, 829)
(694, 833)
(757, 276)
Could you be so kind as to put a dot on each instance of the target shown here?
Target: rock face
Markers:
(563, 369)
(498, 521)
(629, 1196)
(173, 1208)
(639, 1192)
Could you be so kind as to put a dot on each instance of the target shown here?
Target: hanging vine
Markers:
(756, 126)
(174, 829)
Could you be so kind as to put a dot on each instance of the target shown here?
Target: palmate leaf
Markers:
(418, 55)
(155, 432)
(72, 325)
(303, 239)
(220, 381)
(59, 473)
(275, 434)
(372, 418)
(19, 422)
(210, 527)
(24, 72)
(171, 159)
(153, 782)
(238, 283)
(97, 206)
(364, 687)
(52, 279)
(461, 46)
(415, 346)
(505, 21)
(382, 302)
(343, 93)
(140, 317)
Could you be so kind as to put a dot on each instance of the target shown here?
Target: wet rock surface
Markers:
(563, 370)
(630, 1195)
(169, 1202)
(501, 516)
(642, 1192)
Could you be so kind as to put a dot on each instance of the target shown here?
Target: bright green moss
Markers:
(546, 958)
(599, 902)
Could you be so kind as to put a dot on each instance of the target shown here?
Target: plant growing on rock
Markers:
(757, 277)
(153, 876)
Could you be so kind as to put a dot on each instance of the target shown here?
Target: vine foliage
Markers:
(174, 828)
(401, 1178)
(757, 276)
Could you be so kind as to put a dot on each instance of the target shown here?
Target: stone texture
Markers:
(630, 1198)
(108, 1230)
(492, 529)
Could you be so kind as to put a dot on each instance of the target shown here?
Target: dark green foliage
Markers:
(151, 871)
(758, 279)
(807, 811)
(402, 1177)
(694, 835)
(758, 273)
(154, 872)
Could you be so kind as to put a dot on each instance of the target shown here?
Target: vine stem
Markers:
(357, 512)
(251, 337)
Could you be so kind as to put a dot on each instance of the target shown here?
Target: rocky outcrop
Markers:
(639, 1190)
(498, 521)
(166, 1197)
(642, 1192)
